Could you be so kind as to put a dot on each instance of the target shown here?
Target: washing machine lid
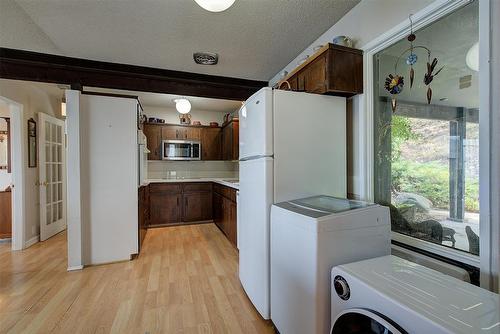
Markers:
(364, 321)
(322, 205)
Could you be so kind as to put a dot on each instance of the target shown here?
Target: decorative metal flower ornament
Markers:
(394, 83)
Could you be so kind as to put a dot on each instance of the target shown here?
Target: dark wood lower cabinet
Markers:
(218, 201)
(177, 203)
(165, 204)
(197, 206)
(143, 213)
(5, 214)
(224, 201)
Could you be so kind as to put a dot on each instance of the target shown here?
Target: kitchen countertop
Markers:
(228, 182)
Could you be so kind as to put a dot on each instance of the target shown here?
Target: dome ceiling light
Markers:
(215, 5)
(472, 57)
(183, 106)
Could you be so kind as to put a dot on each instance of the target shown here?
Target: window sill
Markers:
(444, 251)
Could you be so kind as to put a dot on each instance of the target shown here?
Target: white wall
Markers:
(18, 31)
(34, 100)
(170, 115)
(365, 22)
(108, 188)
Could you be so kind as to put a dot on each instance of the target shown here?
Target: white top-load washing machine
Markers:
(392, 295)
(308, 237)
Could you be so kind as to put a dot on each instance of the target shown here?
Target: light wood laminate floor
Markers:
(184, 281)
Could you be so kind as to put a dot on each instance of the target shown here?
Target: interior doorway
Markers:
(37, 161)
(13, 192)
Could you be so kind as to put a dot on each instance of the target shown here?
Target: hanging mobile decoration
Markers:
(394, 83)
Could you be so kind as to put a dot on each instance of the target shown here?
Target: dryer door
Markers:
(362, 321)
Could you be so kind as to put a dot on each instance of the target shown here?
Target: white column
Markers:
(74, 206)
(495, 143)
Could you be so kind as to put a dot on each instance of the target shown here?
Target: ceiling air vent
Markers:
(205, 58)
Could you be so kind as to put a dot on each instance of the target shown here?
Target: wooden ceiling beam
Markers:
(33, 66)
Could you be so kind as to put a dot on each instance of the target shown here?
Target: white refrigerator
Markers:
(292, 145)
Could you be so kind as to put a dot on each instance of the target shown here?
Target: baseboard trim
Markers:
(74, 268)
(32, 241)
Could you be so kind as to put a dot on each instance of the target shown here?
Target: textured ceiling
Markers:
(255, 38)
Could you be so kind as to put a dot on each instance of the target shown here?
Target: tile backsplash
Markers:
(192, 169)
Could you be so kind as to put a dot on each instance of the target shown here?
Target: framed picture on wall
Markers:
(32, 156)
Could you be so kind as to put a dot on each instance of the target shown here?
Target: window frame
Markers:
(426, 16)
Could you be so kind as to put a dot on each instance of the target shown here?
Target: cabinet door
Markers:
(197, 206)
(315, 76)
(165, 208)
(211, 144)
(230, 141)
(293, 83)
(192, 133)
(235, 152)
(231, 229)
(153, 134)
(172, 132)
(217, 209)
(301, 80)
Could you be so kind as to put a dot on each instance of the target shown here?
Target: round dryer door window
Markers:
(362, 321)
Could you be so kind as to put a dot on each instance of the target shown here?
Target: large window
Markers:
(427, 155)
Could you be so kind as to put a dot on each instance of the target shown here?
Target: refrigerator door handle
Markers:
(253, 157)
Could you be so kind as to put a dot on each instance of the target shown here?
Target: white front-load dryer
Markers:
(391, 295)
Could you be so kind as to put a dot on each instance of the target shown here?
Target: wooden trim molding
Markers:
(33, 66)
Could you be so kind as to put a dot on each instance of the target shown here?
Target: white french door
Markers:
(52, 159)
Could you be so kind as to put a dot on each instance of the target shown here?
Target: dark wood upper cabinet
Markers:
(211, 147)
(333, 70)
(230, 140)
(153, 133)
(179, 132)
(216, 143)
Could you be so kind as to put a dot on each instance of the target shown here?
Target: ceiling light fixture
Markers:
(215, 5)
(183, 106)
(472, 57)
(206, 58)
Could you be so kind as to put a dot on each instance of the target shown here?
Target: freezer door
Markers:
(256, 125)
(309, 145)
(255, 200)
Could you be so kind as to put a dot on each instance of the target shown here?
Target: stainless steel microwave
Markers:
(180, 150)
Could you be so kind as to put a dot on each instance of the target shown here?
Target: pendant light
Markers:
(183, 106)
(215, 5)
